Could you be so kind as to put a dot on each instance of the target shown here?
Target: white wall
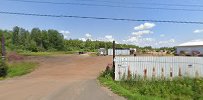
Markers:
(189, 66)
(119, 52)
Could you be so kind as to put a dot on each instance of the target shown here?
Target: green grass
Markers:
(20, 68)
(156, 89)
(28, 53)
(71, 52)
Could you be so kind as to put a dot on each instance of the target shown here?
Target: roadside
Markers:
(61, 77)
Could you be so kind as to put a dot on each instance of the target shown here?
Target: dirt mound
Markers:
(13, 56)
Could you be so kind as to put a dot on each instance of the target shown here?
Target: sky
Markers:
(137, 33)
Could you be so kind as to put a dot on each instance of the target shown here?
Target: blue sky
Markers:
(161, 34)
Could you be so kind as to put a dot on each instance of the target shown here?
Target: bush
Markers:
(3, 68)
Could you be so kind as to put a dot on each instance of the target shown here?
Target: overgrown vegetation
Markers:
(3, 68)
(16, 69)
(155, 89)
(20, 68)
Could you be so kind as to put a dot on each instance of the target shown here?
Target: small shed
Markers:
(193, 48)
(119, 51)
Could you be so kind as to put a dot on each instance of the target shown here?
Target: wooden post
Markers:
(171, 73)
(113, 60)
(3, 50)
(145, 73)
(129, 73)
(180, 73)
(135, 74)
(162, 73)
(153, 72)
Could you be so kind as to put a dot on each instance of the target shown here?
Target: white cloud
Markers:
(198, 31)
(147, 39)
(145, 26)
(140, 33)
(83, 39)
(109, 38)
(139, 41)
(88, 35)
(162, 35)
(65, 33)
(171, 41)
(132, 39)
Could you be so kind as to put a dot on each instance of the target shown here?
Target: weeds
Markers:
(139, 88)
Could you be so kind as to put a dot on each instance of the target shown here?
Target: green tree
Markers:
(15, 36)
(55, 40)
(37, 36)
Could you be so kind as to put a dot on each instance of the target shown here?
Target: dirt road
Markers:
(67, 77)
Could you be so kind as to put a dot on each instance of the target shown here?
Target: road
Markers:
(64, 77)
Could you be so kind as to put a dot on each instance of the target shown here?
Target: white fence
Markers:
(158, 66)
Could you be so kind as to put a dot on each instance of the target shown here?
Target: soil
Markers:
(62, 77)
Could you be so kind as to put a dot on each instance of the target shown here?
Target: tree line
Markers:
(38, 40)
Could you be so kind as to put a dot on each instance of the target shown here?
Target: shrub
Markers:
(3, 68)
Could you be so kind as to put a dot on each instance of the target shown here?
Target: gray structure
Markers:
(194, 48)
(102, 52)
(123, 52)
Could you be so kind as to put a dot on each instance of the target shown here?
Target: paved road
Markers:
(60, 78)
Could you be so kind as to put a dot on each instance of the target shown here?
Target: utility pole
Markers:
(113, 59)
(3, 49)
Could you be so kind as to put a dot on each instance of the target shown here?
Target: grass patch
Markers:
(45, 53)
(20, 68)
(94, 54)
(71, 52)
(40, 53)
(155, 89)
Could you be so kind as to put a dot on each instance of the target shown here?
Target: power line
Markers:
(158, 4)
(100, 18)
(104, 5)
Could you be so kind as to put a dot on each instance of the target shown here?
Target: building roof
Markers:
(192, 43)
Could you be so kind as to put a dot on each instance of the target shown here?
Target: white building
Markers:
(190, 48)
(123, 52)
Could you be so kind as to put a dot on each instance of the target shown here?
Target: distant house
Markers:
(193, 48)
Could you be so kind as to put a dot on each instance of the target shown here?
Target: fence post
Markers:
(119, 73)
(162, 73)
(135, 74)
(153, 72)
(171, 72)
(113, 60)
(145, 73)
(179, 72)
(129, 73)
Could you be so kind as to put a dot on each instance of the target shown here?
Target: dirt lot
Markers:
(64, 77)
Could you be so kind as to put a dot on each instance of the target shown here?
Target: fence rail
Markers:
(150, 66)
